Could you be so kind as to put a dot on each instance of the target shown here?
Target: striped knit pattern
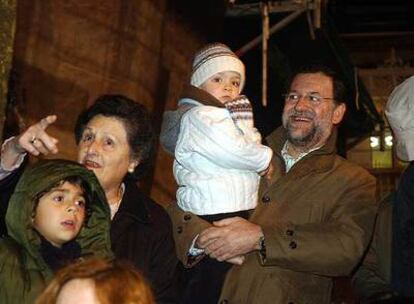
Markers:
(241, 112)
(215, 58)
(209, 52)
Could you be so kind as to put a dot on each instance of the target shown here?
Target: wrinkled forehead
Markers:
(111, 125)
(312, 83)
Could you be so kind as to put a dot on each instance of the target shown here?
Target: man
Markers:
(387, 272)
(315, 214)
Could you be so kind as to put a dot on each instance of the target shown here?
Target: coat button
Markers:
(293, 245)
(179, 229)
(289, 232)
(187, 217)
(266, 199)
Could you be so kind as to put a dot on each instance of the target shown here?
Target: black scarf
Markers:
(57, 258)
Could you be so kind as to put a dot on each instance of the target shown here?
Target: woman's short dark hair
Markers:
(339, 90)
(137, 122)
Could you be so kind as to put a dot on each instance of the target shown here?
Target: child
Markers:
(218, 154)
(57, 214)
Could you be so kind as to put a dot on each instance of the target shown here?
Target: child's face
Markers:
(224, 86)
(60, 214)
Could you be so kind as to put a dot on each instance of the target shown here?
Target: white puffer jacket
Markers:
(216, 167)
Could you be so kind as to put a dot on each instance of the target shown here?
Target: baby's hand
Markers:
(242, 99)
(268, 173)
(238, 260)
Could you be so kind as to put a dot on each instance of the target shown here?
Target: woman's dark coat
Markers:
(141, 233)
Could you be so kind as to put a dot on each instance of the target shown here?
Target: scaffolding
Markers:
(295, 8)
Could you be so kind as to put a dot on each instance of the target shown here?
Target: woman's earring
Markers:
(132, 167)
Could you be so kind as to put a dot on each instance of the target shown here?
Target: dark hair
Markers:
(339, 90)
(74, 180)
(137, 122)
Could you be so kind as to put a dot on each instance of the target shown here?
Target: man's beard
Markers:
(304, 139)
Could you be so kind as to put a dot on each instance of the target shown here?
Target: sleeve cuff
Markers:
(4, 171)
(194, 251)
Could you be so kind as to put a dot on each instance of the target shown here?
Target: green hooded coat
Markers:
(23, 271)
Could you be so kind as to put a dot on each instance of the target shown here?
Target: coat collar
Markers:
(319, 160)
(201, 96)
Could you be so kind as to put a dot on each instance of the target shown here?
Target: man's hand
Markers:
(229, 238)
(238, 260)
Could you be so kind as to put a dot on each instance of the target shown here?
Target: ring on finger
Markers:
(33, 139)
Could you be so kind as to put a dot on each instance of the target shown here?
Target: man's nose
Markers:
(302, 102)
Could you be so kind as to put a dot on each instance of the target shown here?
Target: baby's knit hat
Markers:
(400, 114)
(215, 58)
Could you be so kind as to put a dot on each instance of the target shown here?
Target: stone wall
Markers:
(68, 52)
(7, 27)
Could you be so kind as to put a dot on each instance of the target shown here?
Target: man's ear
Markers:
(338, 113)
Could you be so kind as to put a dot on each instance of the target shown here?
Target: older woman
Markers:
(115, 139)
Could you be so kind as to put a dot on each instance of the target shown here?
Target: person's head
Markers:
(115, 138)
(97, 281)
(314, 104)
(59, 200)
(59, 211)
(218, 71)
(400, 114)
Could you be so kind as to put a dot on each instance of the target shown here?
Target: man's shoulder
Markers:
(351, 169)
(276, 139)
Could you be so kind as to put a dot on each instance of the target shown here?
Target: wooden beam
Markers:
(265, 40)
(278, 26)
(240, 10)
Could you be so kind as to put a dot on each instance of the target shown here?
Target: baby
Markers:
(218, 153)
